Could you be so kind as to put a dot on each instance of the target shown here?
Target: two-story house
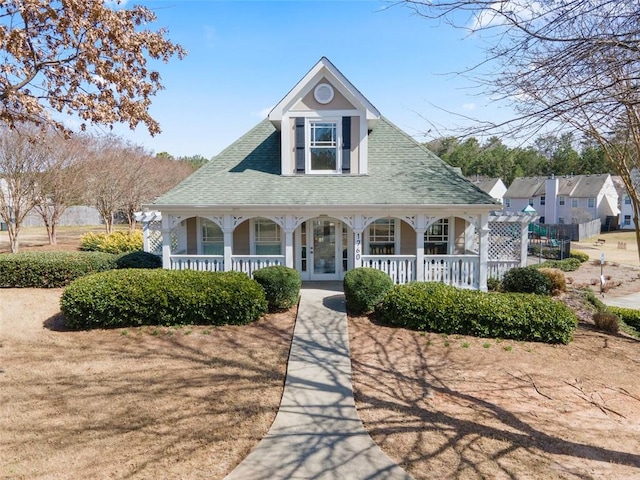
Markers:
(493, 186)
(323, 185)
(568, 199)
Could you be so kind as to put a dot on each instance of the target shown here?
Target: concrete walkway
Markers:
(317, 433)
(627, 301)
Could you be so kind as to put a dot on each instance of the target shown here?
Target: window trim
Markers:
(574, 203)
(531, 200)
(591, 202)
(626, 220)
(447, 223)
(543, 200)
(396, 235)
(562, 200)
(308, 122)
(507, 202)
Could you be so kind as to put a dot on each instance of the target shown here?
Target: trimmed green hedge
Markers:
(526, 280)
(364, 288)
(138, 259)
(566, 265)
(582, 256)
(441, 308)
(50, 269)
(124, 298)
(281, 286)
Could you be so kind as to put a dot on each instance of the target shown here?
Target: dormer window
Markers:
(323, 154)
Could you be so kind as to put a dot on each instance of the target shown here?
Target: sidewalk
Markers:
(317, 433)
(627, 301)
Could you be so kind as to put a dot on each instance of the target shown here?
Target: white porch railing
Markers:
(457, 270)
(210, 263)
(497, 268)
(401, 268)
(250, 263)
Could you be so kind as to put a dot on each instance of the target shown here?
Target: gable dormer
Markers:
(324, 123)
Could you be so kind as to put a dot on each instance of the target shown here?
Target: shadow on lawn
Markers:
(396, 382)
(132, 403)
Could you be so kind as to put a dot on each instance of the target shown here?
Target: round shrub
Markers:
(494, 284)
(445, 309)
(364, 288)
(50, 269)
(139, 260)
(281, 286)
(526, 280)
(557, 279)
(578, 255)
(607, 321)
(134, 297)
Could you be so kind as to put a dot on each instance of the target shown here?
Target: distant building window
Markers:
(591, 202)
(436, 238)
(382, 237)
(543, 200)
(561, 200)
(627, 200)
(531, 202)
(541, 220)
(627, 220)
(574, 203)
(507, 202)
(561, 220)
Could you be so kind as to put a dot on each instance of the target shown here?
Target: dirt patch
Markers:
(139, 403)
(466, 408)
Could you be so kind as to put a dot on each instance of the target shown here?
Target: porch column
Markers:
(420, 254)
(166, 243)
(524, 243)
(483, 253)
(358, 228)
(227, 235)
(288, 248)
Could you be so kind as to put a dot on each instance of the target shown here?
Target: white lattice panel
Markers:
(504, 241)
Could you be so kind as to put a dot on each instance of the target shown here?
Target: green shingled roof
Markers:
(401, 172)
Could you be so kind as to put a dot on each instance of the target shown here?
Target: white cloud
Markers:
(495, 14)
(469, 106)
(262, 113)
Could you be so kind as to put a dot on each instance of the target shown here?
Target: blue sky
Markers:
(244, 56)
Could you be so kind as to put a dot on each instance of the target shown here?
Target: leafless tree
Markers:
(61, 182)
(566, 64)
(20, 165)
(84, 57)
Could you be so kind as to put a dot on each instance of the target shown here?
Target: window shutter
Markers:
(300, 145)
(346, 144)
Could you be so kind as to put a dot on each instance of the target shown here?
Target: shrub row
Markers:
(125, 298)
(364, 288)
(281, 286)
(629, 316)
(526, 280)
(567, 265)
(441, 308)
(58, 269)
(50, 269)
(116, 242)
(582, 256)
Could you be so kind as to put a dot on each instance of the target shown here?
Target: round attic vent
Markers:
(323, 93)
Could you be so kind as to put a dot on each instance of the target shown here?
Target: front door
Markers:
(323, 249)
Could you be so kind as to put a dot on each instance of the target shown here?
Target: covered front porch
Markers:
(435, 246)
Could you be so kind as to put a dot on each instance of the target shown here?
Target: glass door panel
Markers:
(324, 247)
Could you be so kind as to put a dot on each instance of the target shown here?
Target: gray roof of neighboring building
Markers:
(400, 172)
(486, 184)
(575, 186)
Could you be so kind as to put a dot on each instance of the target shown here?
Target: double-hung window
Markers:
(574, 203)
(436, 238)
(212, 238)
(591, 202)
(267, 237)
(324, 145)
(561, 200)
(382, 237)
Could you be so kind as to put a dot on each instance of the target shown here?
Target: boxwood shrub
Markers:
(125, 298)
(138, 259)
(526, 280)
(577, 254)
(281, 286)
(50, 269)
(364, 288)
(441, 308)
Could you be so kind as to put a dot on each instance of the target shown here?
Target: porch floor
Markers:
(317, 432)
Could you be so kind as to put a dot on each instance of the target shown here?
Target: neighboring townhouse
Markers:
(564, 200)
(625, 221)
(493, 186)
(323, 185)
